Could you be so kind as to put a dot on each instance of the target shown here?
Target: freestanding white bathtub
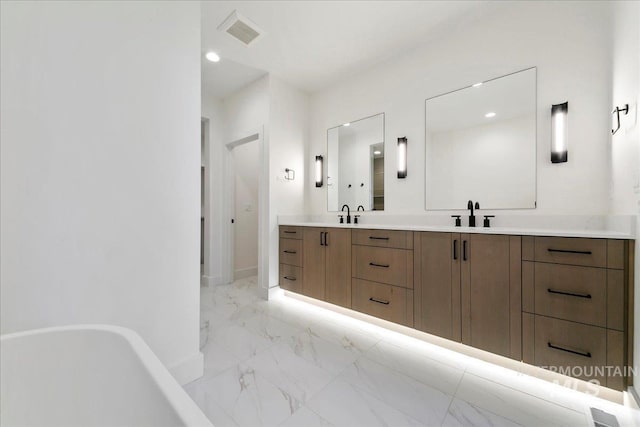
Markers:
(89, 375)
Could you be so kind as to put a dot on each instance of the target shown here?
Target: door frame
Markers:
(228, 207)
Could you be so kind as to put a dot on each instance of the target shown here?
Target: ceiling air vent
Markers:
(241, 28)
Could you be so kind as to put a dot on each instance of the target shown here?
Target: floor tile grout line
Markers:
(446, 414)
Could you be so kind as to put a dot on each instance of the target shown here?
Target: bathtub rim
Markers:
(186, 409)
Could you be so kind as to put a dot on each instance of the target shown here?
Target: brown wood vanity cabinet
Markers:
(290, 257)
(326, 261)
(467, 289)
(382, 267)
(575, 306)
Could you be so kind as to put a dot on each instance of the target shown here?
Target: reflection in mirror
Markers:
(355, 164)
(481, 145)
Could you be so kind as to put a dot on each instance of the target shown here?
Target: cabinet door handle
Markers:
(567, 251)
(464, 250)
(290, 252)
(455, 249)
(326, 238)
(290, 232)
(578, 352)
(322, 238)
(378, 238)
(379, 301)
(293, 279)
(571, 294)
(373, 264)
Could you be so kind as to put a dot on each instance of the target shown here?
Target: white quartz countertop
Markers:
(523, 231)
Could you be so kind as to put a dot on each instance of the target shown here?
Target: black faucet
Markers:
(360, 208)
(348, 213)
(472, 217)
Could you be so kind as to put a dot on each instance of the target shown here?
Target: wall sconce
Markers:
(559, 132)
(290, 174)
(402, 157)
(318, 171)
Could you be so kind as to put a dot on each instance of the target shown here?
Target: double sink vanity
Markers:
(546, 300)
(560, 299)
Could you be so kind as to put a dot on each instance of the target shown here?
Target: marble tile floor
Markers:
(284, 362)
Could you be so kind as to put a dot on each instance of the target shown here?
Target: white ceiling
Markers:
(311, 44)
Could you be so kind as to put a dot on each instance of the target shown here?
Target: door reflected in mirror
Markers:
(355, 164)
(481, 145)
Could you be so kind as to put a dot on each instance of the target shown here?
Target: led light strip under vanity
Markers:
(546, 301)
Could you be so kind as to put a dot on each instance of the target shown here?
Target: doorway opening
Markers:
(245, 205)
(246, 163)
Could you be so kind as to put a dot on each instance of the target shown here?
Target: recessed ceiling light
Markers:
(477, 84)
(212, 56)
(347, 124)
(377, 152)
(490, 114)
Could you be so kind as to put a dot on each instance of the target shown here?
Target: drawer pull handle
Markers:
(379, 301)
(378, 238)
(290, 252)
(293, 279)
(290, 232)
(579, 353)
(373, 264)
(567, 251)
(571, 294)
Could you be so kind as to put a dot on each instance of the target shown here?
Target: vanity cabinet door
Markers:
(437, 259)
(326, 262)
(491, 293)
(313, 262)
(337, 246)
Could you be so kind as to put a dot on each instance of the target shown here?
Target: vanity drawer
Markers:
(289, 232)
(386, 302)
(386, 265)
(383, 238)
(291, 252)
(571, 293)
(291, 278)
(560, 344)
(575, 251)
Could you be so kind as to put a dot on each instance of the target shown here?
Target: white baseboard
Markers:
(210, 281)
(272, 292)
(245, 272)
(189, 369)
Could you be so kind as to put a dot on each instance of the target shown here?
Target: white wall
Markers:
(288, 140)
(247, 174)
(569, 42)
(211, 110)
(280, 111)
(100, 170)
(625, 144)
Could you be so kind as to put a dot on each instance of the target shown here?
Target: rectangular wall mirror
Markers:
(355, 164)
(481, 145)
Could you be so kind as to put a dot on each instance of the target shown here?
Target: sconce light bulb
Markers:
(559, 132)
